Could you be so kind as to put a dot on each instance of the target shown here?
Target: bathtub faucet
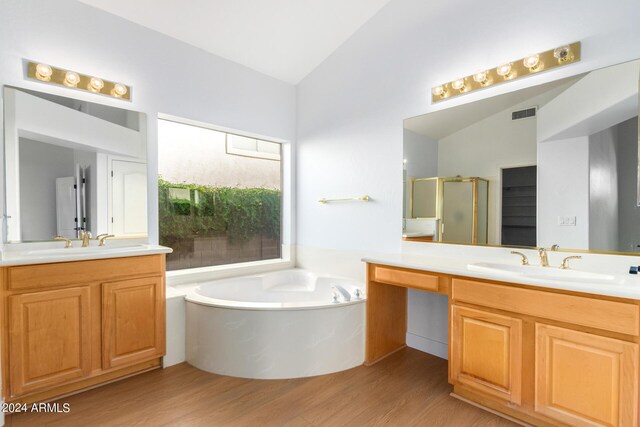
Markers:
(345, 295)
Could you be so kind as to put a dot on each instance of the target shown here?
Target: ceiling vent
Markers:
(524, 114)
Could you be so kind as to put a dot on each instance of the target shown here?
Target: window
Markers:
(220, 196)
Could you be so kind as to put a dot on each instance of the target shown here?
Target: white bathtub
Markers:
(285, 324)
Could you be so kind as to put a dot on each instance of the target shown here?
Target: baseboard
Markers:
(427, 345)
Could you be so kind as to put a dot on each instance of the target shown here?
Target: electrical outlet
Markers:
(567, 221)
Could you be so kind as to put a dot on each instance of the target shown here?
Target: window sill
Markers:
(192, 275)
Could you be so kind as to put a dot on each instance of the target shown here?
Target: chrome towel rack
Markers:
(350, 199)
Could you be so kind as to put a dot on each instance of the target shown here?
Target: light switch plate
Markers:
(567, 221)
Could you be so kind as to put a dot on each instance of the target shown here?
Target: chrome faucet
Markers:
(86, 238)
(544, 260)
(346, 296)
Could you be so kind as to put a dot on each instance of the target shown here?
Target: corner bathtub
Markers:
(284, 324)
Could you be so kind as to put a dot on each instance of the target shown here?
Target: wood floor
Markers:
(407, 389)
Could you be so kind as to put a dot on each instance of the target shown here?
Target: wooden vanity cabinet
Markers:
(74, 325)
(50, 338)
(544, 356)
(133, 319)
(584, 379)
(487, 352)
(575, 356)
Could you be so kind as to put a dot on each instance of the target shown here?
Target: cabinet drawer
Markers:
(607, 315)
(71, 273)
(411, 279)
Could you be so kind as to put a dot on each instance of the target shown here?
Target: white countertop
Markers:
(623, 286)
(57, 253)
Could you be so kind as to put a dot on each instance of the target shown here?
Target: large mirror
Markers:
(72, 166)
(554, 164)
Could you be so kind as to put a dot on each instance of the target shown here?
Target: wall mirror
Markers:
(72, 166)
(553, 164)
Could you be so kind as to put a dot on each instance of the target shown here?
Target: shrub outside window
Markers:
(220, 198)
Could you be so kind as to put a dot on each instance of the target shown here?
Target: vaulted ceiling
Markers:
(285, 39)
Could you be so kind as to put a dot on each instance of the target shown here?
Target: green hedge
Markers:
(240, 213)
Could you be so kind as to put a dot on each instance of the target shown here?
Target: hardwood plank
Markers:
(407, 388)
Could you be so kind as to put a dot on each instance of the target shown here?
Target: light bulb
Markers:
(71, 78)
(482, 77)
(438, 91)
(458, 84)
(95, 84)
(563, 54)
(119, 90)
(44, 72)
(532, 62)
(506, 71)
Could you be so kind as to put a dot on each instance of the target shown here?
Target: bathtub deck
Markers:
(408, 388)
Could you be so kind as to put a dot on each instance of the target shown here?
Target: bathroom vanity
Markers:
(544, 351)
(84, 312)
(547, 345)
(71, 325)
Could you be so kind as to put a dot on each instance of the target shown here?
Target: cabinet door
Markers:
(584, 379)
(50, 338)
(486, 352)
(132, 321)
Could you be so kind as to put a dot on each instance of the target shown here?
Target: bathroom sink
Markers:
(71, 252)
(62, 254)
(80, 250)
(540, 273)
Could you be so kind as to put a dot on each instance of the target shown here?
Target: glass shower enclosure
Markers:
(458, 205)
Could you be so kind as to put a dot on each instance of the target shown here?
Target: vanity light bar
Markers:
(531, 64)
(48, 74)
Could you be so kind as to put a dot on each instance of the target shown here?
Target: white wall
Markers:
(166, 75)
(603, 190)
(563, 191)
(40, 165)
(195, 155)
(351, 108)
